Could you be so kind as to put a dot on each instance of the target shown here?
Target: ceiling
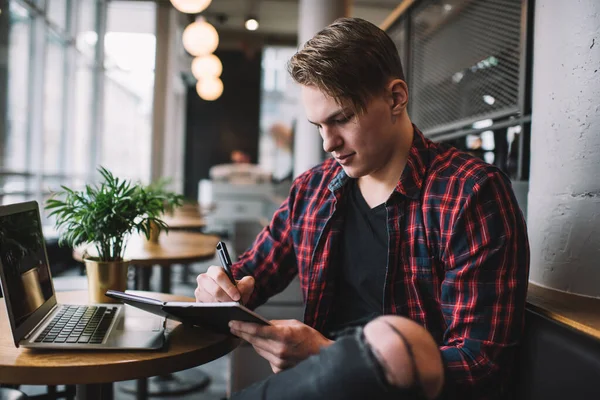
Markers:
(278, 18)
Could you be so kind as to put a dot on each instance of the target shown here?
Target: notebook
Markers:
(37, 320)
(212, 316)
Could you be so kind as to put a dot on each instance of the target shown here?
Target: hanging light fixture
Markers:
(207, 67)
(209, 88)
(251, 23)
(200, 38)
(190, 6)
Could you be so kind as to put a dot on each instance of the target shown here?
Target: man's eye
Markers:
(343, 120)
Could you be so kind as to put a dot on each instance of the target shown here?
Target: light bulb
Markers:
(190, 6)
(200, 38)
(207, 67)
(251, 24)
(209, 88)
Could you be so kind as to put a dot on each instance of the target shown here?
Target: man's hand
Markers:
(215, 286)
(284, 344)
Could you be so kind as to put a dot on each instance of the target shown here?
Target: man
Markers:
(392, 225)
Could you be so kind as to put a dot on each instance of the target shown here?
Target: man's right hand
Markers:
(215, 286)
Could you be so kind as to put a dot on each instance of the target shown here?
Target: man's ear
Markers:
(398, 92)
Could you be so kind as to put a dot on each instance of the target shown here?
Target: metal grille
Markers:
(399, 35)
(465, 62)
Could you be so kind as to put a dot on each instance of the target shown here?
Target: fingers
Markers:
(255, 330)
(261, 337)
(246, 287)
(215, 286)
(252, 332)
(277, 364)
(222, 280)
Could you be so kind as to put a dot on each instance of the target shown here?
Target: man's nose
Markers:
(331, 140)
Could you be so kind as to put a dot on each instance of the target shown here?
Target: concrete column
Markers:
(314, 15)
(564, 196)
(175, 95)
(161, 71)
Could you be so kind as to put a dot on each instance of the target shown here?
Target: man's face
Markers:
(361, 144)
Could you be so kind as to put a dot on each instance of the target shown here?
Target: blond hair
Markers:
(350, 60)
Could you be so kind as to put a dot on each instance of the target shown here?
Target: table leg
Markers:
(185, 273)
(96, 391)
(143, 275)
(142, 389)
(165, 279)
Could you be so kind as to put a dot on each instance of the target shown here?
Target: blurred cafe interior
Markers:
(195, 94)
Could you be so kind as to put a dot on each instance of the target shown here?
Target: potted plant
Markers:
(171, 201)
(104, 216)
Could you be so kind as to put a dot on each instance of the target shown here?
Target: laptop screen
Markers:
(27, 283)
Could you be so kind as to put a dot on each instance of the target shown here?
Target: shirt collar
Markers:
(411, 180)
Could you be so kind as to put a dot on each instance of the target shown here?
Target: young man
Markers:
(393, 224)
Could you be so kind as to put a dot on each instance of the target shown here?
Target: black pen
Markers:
(226, 262)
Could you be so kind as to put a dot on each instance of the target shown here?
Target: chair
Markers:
(556, 362)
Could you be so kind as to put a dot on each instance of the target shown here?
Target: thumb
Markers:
(246, 287)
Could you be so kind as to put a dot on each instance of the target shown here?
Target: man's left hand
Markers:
(283, 344)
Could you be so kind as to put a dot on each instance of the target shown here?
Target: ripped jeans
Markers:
(346, 370)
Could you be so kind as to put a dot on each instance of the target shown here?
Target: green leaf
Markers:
(105, 213)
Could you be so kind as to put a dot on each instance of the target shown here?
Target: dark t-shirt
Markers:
(360, 277)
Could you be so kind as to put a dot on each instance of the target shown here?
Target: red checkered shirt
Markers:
(458, 258)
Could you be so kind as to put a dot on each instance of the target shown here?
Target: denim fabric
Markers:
(346, 370)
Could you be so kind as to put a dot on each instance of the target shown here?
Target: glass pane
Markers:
(79, 161)
(18, 85)
(15, 188)
(278, 111)
(57, 12)
(87, 37)
(497, 146)
(129, 85)
(53, 103)
(127, 133)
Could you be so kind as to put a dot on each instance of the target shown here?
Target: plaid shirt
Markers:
(458, 258)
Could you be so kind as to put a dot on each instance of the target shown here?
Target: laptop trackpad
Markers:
(137, 330)
(139, 324)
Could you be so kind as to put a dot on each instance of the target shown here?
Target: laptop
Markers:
(37, 320)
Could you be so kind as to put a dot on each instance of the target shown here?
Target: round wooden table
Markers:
(173, 247)
(186, 348)
(185, 221)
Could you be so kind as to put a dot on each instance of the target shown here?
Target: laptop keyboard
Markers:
(78, 324)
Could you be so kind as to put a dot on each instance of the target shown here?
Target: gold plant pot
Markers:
(154, 233)
(103, 276)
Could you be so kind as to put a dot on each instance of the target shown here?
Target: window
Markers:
(57, 12)
(15, 156)
(54, 103)
(128, 88)
(278, 109)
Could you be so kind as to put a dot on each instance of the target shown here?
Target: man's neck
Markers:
(377, 187)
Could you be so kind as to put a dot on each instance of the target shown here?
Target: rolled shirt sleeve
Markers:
(484, 289)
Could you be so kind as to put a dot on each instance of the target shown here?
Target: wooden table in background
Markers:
(93, 370)
(185, 221)
(185, 218)
(174, 247)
